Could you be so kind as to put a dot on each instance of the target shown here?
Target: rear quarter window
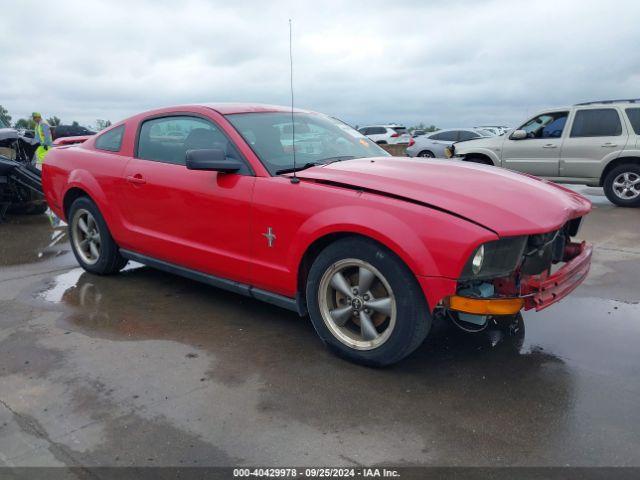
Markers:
(634, 118)
(596, 122)
(110, 141)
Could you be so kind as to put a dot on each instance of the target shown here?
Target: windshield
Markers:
(485, 133)
(318, 139)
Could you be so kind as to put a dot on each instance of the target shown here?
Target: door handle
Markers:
(549, 145)
(136, 179)
(609, 144)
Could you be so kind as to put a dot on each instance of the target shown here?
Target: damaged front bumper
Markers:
(535, 291)
(544, 290)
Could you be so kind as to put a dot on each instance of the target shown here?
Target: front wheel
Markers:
(91, 241)
(365, 303)
(622, 185)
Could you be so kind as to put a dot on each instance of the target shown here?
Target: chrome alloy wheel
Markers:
(357, 304)
(627, 185)
(86, 236)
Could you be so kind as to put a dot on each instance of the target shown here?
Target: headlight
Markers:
(494, 259)
(478, 260)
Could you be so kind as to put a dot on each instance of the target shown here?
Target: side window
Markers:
(110, 141)
(598, 122)
(435, 136)
(634, 118)
(467, 135)
(547, 125)
(167, 139)
(364, 131)
(377, 131)
(451, 136)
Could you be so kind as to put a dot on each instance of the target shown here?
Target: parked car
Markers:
(418, 133)
(386, 134)
(434, 144)
(61, 131)
(593, 143)
(370, 246)
(495, 129)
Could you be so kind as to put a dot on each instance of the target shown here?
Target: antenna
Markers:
(295, 178)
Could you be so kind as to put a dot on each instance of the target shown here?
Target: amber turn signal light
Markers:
(485, 306)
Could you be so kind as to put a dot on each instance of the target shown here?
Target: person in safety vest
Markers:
(42, 136)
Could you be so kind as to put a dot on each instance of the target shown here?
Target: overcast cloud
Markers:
(448, 63)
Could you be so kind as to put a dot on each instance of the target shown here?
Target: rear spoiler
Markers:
(70, 140)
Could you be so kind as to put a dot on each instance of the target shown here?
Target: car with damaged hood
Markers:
(370, 247)
(20, 187)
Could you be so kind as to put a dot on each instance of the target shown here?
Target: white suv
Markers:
(594, 143)
(386, 134)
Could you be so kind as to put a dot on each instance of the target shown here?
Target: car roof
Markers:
(385, 125)
(226, 108)
(230, 108)
(470, 129)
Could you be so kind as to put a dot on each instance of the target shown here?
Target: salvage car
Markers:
(20, 188)
(370, 246)
(434, 144)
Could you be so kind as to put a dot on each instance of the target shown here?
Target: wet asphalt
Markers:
(146, 368)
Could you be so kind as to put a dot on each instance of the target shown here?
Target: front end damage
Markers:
(525, 272)
(20, 183)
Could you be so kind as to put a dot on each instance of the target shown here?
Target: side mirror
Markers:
(518, 135)
(213, 159)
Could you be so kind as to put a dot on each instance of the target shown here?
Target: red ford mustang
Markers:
(370, 246)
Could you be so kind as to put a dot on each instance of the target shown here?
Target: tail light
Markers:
(412, 142)
(395, 135)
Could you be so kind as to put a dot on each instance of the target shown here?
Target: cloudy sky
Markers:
(448, 63)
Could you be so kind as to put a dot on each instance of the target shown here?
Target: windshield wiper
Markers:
(325, 161)
(297, 169)
(329, 160)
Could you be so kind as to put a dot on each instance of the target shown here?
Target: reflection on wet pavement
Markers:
(205, 376)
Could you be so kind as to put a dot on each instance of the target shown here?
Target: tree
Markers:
(4, 113)
(75, 124)
(25, 123)
(54, 121)
(102, 124)
(422, 126)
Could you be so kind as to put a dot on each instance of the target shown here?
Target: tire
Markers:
(400, 318)
(426, 154)
(381, 142)
(108, 259)
(622, 185)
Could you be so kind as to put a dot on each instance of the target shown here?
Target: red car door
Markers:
(195, 219)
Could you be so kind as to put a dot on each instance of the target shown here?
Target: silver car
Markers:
(434, 144)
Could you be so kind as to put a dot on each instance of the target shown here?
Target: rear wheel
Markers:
(622, 185)
(91, 241)
(426, 154)
(365, 303)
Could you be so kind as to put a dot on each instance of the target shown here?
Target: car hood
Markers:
(506, 202)
(486, 142)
